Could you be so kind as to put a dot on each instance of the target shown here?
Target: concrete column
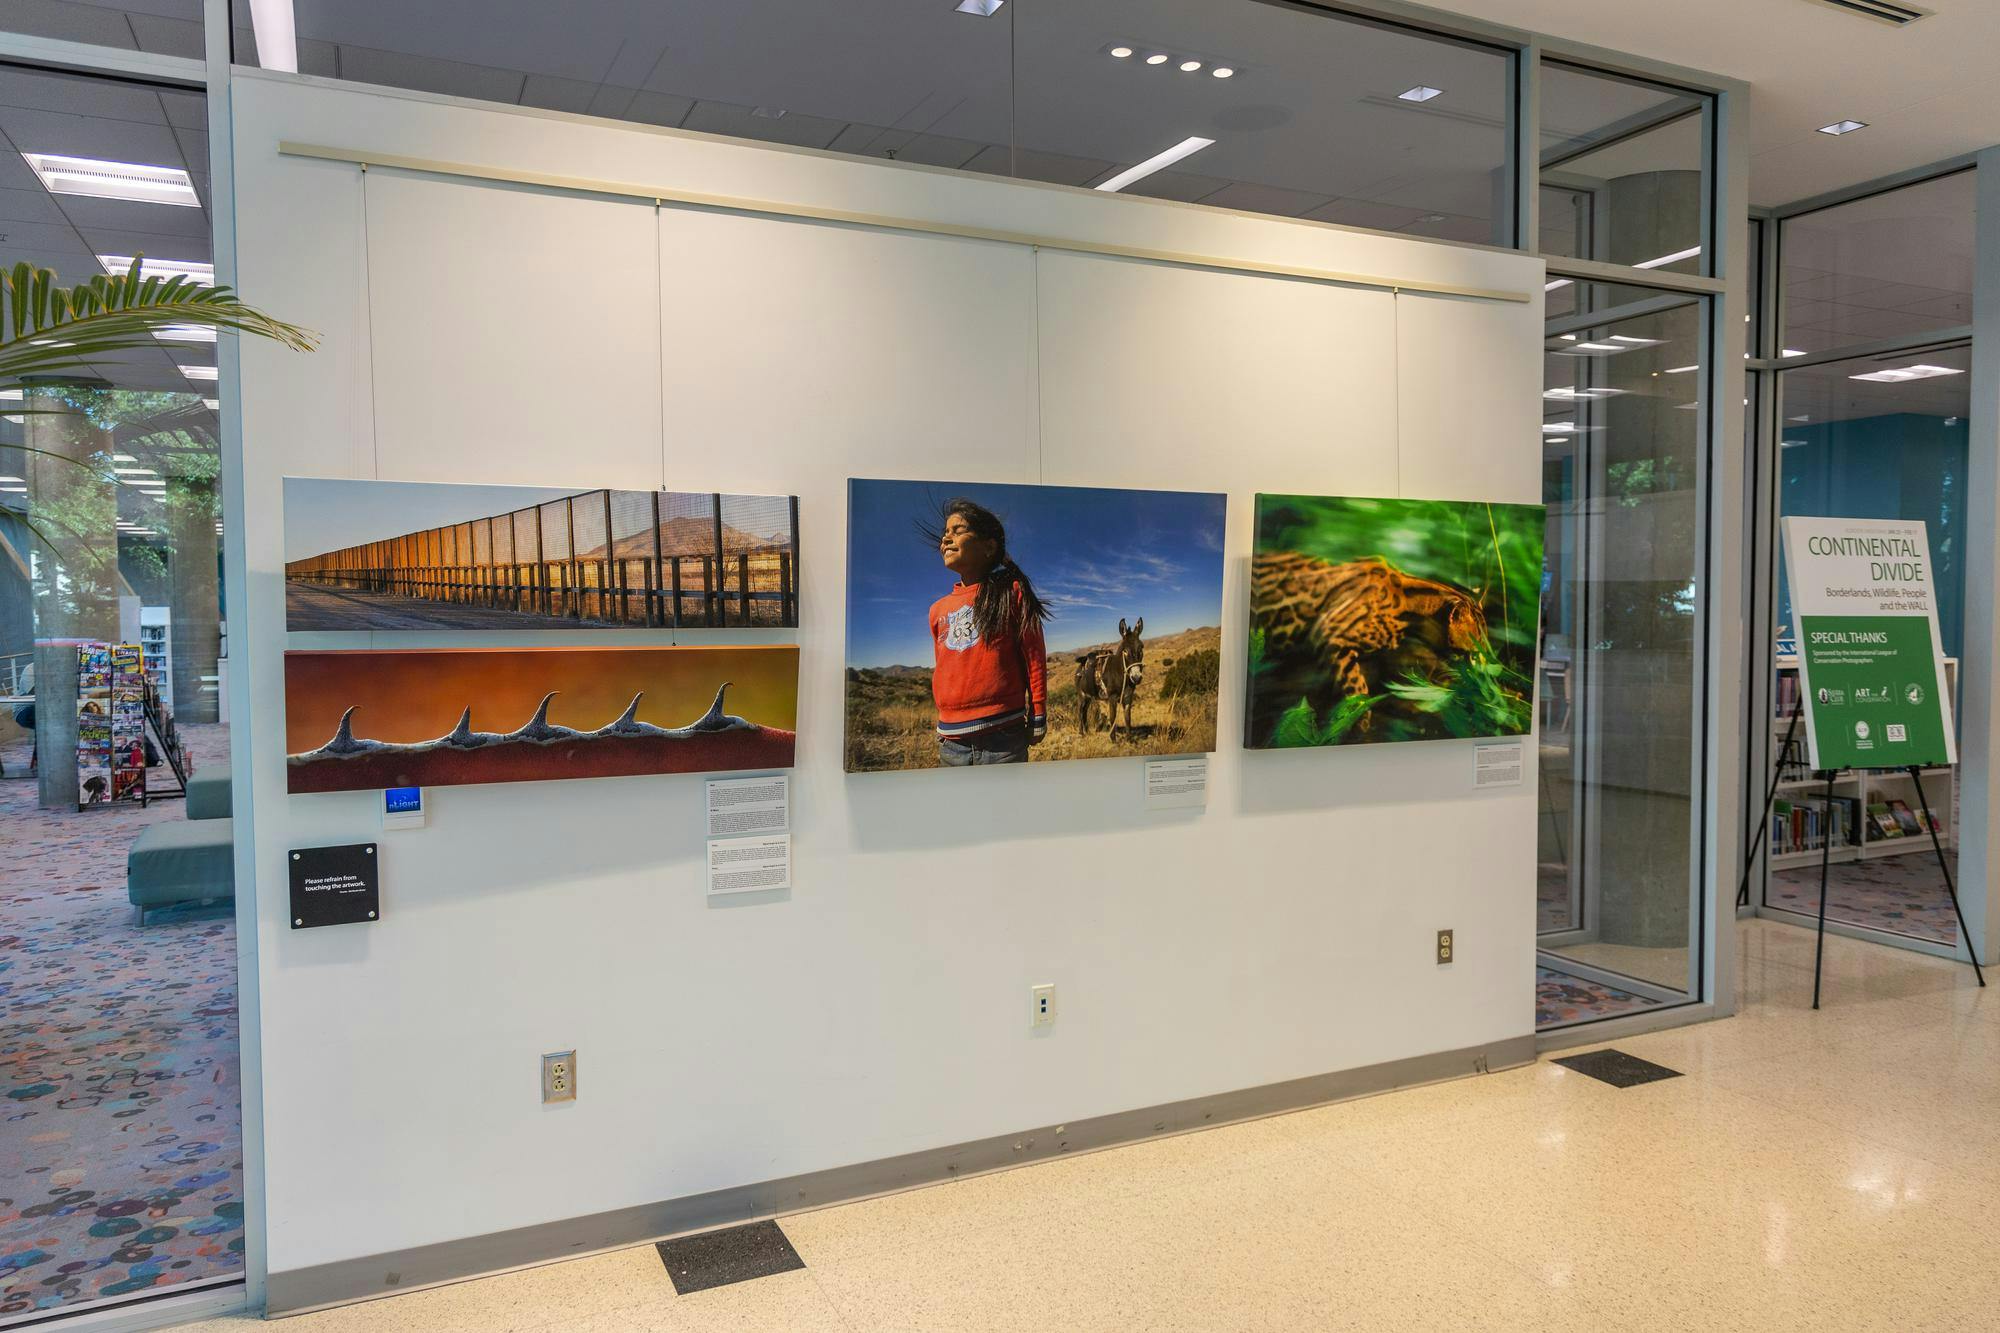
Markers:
(74, 513)
(1979, 696)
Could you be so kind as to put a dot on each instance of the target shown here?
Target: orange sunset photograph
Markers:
(373, 719)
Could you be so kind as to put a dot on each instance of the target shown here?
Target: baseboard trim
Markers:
(348, 1280)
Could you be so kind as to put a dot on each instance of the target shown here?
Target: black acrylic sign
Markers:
(335, 886)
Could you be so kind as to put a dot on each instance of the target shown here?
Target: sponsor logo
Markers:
(1915, 694)
(1898, 732)
(1861, 731)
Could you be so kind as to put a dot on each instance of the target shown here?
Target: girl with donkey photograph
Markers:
(991, 678)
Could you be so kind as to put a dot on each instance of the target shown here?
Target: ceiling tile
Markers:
(1030, 165)
(792, 128)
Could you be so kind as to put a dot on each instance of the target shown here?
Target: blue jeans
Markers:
(1000, 745)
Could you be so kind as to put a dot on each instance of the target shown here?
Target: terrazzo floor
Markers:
(121, 1162)
(1904, 894)
(1837, 1170)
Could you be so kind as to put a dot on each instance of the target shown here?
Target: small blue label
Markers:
(403, 800)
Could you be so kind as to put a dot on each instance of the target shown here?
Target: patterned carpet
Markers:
(1561, 999)
(121, 1146)
(1904, 894)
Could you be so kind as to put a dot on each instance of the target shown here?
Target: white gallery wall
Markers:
(493, 333)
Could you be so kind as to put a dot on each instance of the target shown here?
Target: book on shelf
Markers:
(1807, 826)
(1787, 695)
(1909, 820)
(1884, 821)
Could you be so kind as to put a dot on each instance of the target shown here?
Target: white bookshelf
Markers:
(1872, 787)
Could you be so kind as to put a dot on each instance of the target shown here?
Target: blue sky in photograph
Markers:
(1094, 555)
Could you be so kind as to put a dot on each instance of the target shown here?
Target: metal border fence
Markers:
(656, 558)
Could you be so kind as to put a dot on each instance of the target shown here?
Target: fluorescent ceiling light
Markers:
(1630, 341)
(1793, 444)
(135, 472)
(199, 372)
(1904, 373)
(1190, 66)
(1674, 258)
(123, 458)
(1420, 93)
(1222, 72)
(277, 38)
(1574, 395)
(1800, 418)
(13, 490)
(1121, 52)
(98, 179)
(185, 333)
(1791, 351)
(1840, 127)
(1158, 162)
(1552, 286)
(197, 270)
(1558, 427)
(13, 481)
(212, 404)
(1679, 370)
(10, 395)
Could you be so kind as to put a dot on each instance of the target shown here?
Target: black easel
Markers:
(1826, 856)
(1770, 799)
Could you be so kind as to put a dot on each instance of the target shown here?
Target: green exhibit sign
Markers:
(1871, 664)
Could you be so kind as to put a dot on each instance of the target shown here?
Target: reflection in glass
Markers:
(1621, 448)
(1276, 109)
(1893, 265)
(1622, 165)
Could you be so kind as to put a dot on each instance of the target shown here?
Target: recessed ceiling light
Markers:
(98, 179)
(1157, 58)
(1630, 341)
(13, 481)
(1680, 370)
(1121, 52)
(1421, 93)
(276, 29)
(1840, 127)
(1901, 374)
(1190, 66)
(1558, 283)
(1791, 351)
(199, 372)
(1186, 147)
(1223, 72)
(983, 8)
(196, 270)
(1558, 427)
(184, 333)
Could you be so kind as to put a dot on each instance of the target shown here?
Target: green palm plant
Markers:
(48, 329)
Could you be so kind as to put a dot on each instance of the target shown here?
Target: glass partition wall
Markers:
(1623, 448)
(1867, 363)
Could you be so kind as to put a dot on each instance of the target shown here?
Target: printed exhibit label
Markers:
(1497, 765)
(750, 865)
(748, 805)
(1871, 663)
(1177, 784)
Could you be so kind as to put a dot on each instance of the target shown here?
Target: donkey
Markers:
(1111, 676)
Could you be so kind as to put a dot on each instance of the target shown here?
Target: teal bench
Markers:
(208, 795)
(184, 862)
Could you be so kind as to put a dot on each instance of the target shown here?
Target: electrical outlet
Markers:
(1444, 947)
(1042, 1005)
(559, 1077)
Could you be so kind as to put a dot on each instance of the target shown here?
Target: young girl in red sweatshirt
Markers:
(991, 681)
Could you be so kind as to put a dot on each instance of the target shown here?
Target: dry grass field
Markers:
(891, 721)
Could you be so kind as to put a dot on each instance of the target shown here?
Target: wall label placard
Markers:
(1497, 765)
(403, 807)
(335, 886)
(1871, 661)
(737, 806)
(754, 864)
(1177, 784)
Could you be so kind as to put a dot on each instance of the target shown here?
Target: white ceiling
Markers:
(1927, 91)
